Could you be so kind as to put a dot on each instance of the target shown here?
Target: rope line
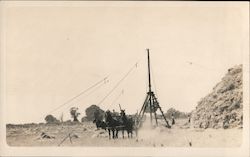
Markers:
(117, 97)
(118, 83)
(91, 92)
(81, 93)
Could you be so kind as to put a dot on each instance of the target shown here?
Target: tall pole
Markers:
(149, 77)
(149, 85)
(150, 101)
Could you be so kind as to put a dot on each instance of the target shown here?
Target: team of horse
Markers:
(114, 124)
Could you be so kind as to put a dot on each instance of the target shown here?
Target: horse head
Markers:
(123, 115)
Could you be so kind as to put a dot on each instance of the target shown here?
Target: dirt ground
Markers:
(86, 134)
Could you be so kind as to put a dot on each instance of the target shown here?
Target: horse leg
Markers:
(109, 133)
(113, 131)
(122, 133)
(117, 133)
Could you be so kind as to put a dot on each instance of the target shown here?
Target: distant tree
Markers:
(175, 113)
(84, 119)
(74, 113)
(51, 119)
(94, 112)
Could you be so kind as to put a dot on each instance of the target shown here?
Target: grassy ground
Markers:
(180, 135)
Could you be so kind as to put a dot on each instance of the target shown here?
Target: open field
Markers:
(86, 134)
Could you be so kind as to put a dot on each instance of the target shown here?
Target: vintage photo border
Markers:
(6, 150)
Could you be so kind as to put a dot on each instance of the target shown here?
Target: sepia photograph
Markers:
(92, 78)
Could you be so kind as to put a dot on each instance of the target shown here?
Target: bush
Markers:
(94, 112)
(84, 119)
(176, 113)
(51, 119)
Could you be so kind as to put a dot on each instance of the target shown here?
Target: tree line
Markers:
(95, 112)
(92, 112)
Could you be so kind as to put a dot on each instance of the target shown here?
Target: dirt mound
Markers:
(223, 107)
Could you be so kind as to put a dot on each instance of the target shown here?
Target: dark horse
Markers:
(100, 124)
(112, 125)
(127, 123)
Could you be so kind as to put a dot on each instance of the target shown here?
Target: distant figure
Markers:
(173, 120)
(189, 118)
(190, 143)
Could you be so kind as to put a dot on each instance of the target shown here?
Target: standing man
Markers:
(189, 118)
(173, 120)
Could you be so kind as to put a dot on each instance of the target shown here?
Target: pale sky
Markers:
(54, 53)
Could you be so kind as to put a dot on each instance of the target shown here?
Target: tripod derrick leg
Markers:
(150, 107)
(145, 102)
(164, 118)
(155, 108)
(155, 99)
(142, 111)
